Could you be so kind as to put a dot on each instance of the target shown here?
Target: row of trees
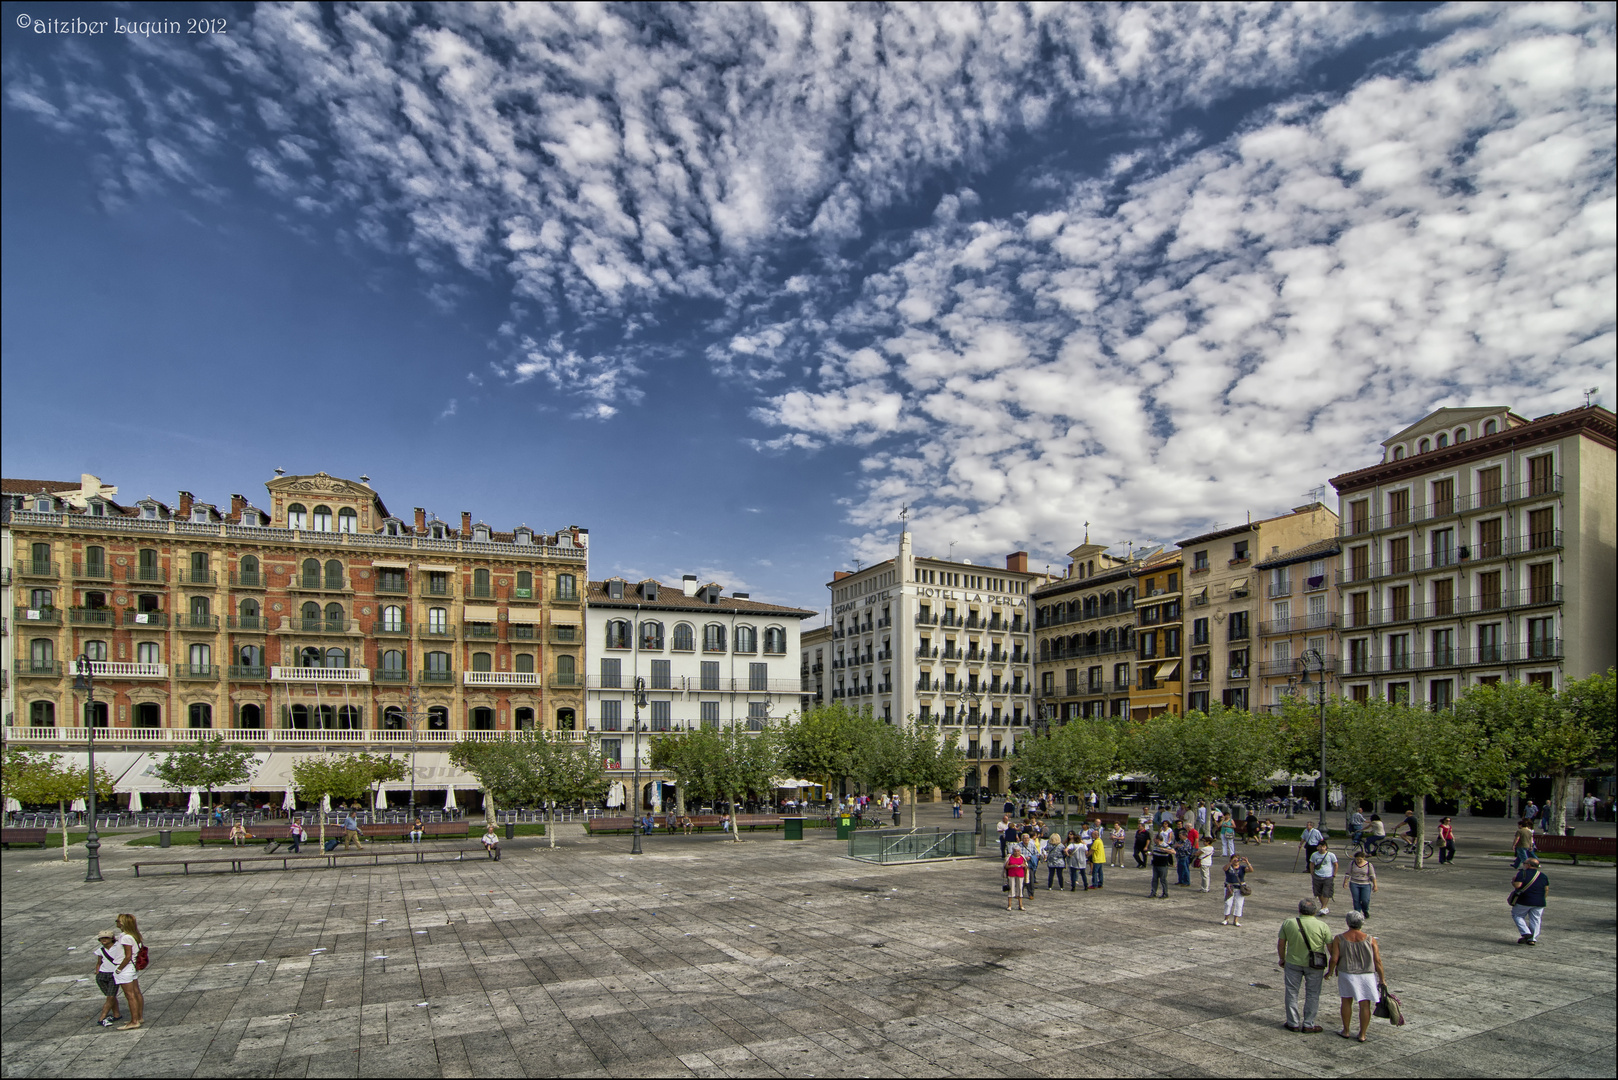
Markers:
(533, 768)
(1496, 738)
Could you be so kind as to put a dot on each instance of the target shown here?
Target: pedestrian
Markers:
(106, 977)
(1531, 811)
(1098, 860)
(1227, 836)
(1357, 963)
(1523, 844)
(1544, 817)
(1143, 838)
(1589, 803)
(1360, 877)
(126, 968)
(1323, 875)
(1205, 856)
(956, 806)
(1055, 863)
(416, 831)
(1193, 836)
(1118, 845)
(1183, 851)
(1309, 839)
(1356, 826)
(1002, 829)
(1078, 862)
(491, 842)
(1029, 845)
(1266, 831)
(1446, 841)
(1528, 901)
(1301, 950)
(1016, 871)
(1236, 889)
(351, 831)
(1250, 832)
(1202, 817)
(295, 835)
(1162, 860)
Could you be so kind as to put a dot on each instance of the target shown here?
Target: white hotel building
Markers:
(942, 641)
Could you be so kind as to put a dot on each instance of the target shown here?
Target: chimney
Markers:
(238, 503)
(466, 525)
(839, 575)
(185, 505)
(688, 583)
(1017, 562)
(421, 521)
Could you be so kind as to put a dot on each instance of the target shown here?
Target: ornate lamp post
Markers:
(412, 718)
(640, 703)
(85, 680)
(1312, 656)
(977, 792)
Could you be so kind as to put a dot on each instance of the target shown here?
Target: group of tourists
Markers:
(1078, 858)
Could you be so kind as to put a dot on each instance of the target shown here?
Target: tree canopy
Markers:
(208, 764)
(1222, 752)
(46, 778)
(534, 768)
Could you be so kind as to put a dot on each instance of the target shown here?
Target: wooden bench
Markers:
(22, 836)
(378, 831)
(1548, 844)
(313, 860)
(669, 823)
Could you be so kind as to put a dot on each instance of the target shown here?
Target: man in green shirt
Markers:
(1298, 938)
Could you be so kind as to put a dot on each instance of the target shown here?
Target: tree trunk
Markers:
(1511, 800)
(1065, 829)
(912, 809)
(62, 805)
(1421, 828)
(321, 813)
(1558, 803)
(550, 821)
(735, 837)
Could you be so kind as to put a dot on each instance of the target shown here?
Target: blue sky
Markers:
(729, 285)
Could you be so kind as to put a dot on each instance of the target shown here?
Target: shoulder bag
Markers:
(1318, 961)
(1511, 897)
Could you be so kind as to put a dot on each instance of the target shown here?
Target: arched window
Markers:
(1490, 427)
(324, 716)
(249, 611)
(249, 568)
(480, 583)
(199, 715)
(524, 663)
(201, 659)
(350, 717)
(480, 531)
(651, 635)
(200, 611)
(347, 520)
(618, 634)
(713, 637)
(148, 714)
(1443, 440)
(309, 656)
(567, 587)
(334, 574)
(393, 718)
(1045, 650)
(42, 714)
(95, 562)
(1058, 648)
(438, 620)
(320, 520)
(148, 652)
(1460, 435)
(775, 641)
(523, 719)
(684, 638)
(746, 639)
(95, 714)
(482, 661)
(199, 567)
(311, 573)
(336, 658)
(393, 618)
(251, 716)
(297, 516)
(1398, 453)
(334, 617)
(565, 719)
(438, 718)
(525, 585)
(42, 655)
(250, 656)
(566, 671)
(1424, 446)
(481, 719)
(96, 651)
(311, 615)
(437, 662)
(393, 660)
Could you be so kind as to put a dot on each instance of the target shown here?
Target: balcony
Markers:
(197, 672)
(248, 673)
(559, 635)
(146, 575)
(320, 674)
(1464, 606)
(481, 592)
(1512, 652)
(146, 620)
(1299, 623)
(1279, 589)
(566, 682)
(927, 620)
(1507, 548)
(257, 624)
(1479, 500)
(197, 622)
(1236, 674)
(190, 576)
(91, 616)
(92, 572)
(568, 597)
(1296, 666)
(1199, 675)
(320, 626)
(36, 568)
(523, 596)
(499, 678)
(436, 676)
(103, 669)
(249, 579)
(430, 632)
(439, 591)
(317, 583)
(38, 669)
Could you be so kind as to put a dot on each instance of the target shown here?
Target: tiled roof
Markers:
(34, 487)
(1329, 546)
(674, 599)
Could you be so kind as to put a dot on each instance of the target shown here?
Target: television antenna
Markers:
(1590, 393)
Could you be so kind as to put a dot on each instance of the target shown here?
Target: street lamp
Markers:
(85, 680)
(640, 703)
(1312, 656)
(412, 718)
(977, 792)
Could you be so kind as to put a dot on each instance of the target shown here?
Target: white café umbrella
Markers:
(325, 804)
(13, 806)
(194, 803)
(615, 795)
(77, 806)
(290, 802)
(382, 797)
(134, 802)
(449, 798)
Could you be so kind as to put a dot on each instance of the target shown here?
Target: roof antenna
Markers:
(952, 544)
(1590, 393)
(904, 512)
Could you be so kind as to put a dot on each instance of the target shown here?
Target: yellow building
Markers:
(1159, 636)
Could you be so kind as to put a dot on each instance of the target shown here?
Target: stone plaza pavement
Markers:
(704, 957)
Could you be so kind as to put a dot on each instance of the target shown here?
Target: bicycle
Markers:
(1392, 847)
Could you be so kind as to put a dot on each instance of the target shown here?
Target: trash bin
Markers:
(511, 830)
(845, 826)
(165, 837)
(794, 827)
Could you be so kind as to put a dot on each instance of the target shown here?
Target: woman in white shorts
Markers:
(127, 976)
(1357, 963)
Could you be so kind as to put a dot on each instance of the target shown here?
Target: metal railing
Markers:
(38, 568)
(386, 736)
(1326, 620)
(1483, 604)
(1485, 499)
(146, 575)
(49, 615)
(150, 619)
(885, 846)
(92, 616)
(320, 674)
(92, 571)
(1510, 652)
(249, 579)
(1549, 540)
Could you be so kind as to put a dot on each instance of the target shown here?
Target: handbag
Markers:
(1244, 888)
(1318, 961)
(1511, 897)
(1388, 1006)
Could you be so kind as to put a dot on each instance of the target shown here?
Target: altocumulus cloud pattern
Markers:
(1165, 327)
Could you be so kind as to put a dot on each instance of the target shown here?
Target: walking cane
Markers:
(1295, 855)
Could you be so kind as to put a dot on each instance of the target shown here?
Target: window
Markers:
(565, 719)
(437, 583)
(1424, 446)
(709, 712)
(1197, 701)
(1443, 547)
(1399, 652)
(1489, 644)
(297, 516)
(1240, 550)
(482, 661)
(566, 587)
(659, 715)
(320, 520)
(42, 655)
(617, 634)
(661, 678)
(1199, 561)
(311, 574)
(1443, 648)
(566, 673)
(347, 521)
(249, 570)
(480, 531)
(1460, 435)
(651, 636)
(437, 662)
(481, 719)
(1443, 497)
(1398, 453)
(523, 663)
(1238, 625)
(250, 716)
(95, 562)
(746, 639)
(393, 618)
(250, 656)
(525, 585)
(201, 611)
(758, 714)
(393, 719)
(1441, 692)
(148, 652)
(1236, 697)
(1542, 642)
(758, 678)
(200, 715)
(438, 620)
(334, 617)
(612, 716)
(684, 638)
(41, 599)
(775, 641)
(710, 675)
(41, 714)
(438, 715)
(1490, 427)
(201, 659)
(393, 660)
(481, 588)
(95, 651)
(1443, 440)
(336, 658)
(611, 673)
(334, 574)
(713, 638)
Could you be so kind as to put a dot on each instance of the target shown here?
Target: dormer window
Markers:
(98, 508)
(320, 521)
(480, 531)
(1443, 440)
(1398, 453)
(1460, 435)
(200, 516)
(436, 530)
(524, 536)
(1425, 446)
(149, 512)
(42, 505)
(390, 527)
(1490, 427)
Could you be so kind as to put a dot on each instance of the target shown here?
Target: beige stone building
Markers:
(1480, 548)
(1225, 600)
(1084, 628)
(1299, 614)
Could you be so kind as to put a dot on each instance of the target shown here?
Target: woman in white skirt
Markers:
(1235, 884)
(1357, 963)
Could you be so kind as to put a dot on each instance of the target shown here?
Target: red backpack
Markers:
(142, 958)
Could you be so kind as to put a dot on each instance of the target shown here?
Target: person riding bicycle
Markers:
(1411, 827)
(1356, 826)
(1375, 833)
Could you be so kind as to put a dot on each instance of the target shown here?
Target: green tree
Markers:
(1221, 753)
(824, 743)
(1574, 733)
(879, 757)
(208, 765)
(47, 779)
(1507, 716)
(533, 768)
(322, 776)
(932, 759)
(1079, 756)
(380, 769)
